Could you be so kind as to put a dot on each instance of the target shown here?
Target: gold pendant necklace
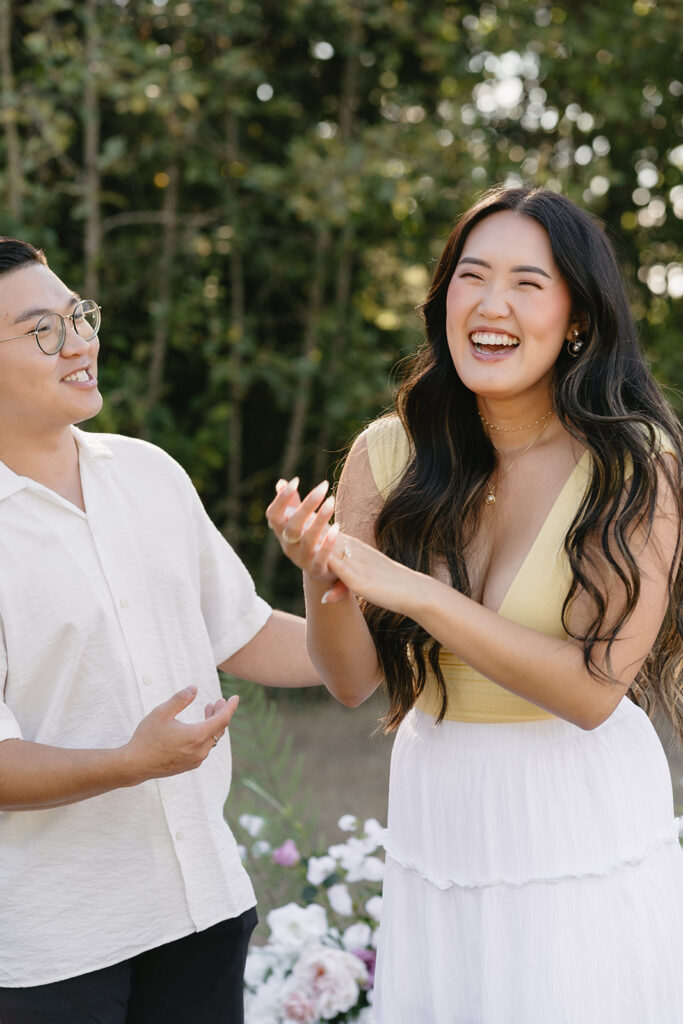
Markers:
(490, 498)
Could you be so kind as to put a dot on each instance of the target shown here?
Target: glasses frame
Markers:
(62, 327)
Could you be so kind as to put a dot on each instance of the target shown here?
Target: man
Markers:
(122, 895)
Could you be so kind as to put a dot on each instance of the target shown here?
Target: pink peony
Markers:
(287, 854)
(299, 1007)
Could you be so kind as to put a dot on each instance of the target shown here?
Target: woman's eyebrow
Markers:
(515, 270)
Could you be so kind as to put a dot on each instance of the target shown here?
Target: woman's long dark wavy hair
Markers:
(606, 398)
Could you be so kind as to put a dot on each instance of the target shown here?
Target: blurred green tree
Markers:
(256, 193)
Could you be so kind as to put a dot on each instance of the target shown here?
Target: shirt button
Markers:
(180, 834)
(147, 680)
(123, 602)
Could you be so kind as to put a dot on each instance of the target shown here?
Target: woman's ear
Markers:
(578, 323)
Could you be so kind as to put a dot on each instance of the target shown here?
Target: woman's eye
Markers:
(468, 273)
(533, 284)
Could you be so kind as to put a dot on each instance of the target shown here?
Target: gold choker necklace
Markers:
(510, 430)
(490, 498)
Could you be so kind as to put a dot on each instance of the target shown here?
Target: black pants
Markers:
(195, 980)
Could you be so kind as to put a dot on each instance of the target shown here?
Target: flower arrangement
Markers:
(319, 960)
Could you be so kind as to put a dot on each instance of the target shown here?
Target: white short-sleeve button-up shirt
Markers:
(104, 615)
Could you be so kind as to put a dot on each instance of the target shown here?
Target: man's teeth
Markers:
(81, 377)
(484, 338)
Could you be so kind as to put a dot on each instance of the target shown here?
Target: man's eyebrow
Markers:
(515, 270)
(29, 314)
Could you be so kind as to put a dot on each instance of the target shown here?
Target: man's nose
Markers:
(74, 344)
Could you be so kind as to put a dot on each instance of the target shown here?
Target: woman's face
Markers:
(508, 310)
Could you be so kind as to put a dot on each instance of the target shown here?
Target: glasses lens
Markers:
(50, 333)
(87, 319)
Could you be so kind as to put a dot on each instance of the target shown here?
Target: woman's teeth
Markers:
(81, 377)
(483, 340)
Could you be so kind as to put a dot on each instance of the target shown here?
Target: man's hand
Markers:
(162, 746)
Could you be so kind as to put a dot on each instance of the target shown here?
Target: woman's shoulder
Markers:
(388, 451)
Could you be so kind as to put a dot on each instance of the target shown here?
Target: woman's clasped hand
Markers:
(318, 547)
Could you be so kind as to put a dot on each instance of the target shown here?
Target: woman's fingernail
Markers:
(288, 513)
(280, 484)
(327, 505)
(323, 599)
(320, 489)
(333, 531)
(292, 485)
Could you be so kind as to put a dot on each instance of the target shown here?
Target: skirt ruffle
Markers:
(534, 876)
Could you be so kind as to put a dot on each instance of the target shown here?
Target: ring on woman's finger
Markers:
(346, 553)
(215, 740)
(291, 538)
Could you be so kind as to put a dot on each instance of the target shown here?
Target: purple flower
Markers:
(287, 854)
(368, 956)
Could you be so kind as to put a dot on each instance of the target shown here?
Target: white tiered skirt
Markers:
(534, 876)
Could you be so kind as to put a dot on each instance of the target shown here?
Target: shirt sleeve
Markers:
(9, 727)
(232, 610)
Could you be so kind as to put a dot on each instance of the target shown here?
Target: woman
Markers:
(509, 564)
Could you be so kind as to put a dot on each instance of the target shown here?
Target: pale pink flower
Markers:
(333, 977)
(287, 854)
(299, 1007)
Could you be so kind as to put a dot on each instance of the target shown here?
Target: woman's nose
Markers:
(493, 303)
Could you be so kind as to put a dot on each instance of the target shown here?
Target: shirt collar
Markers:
(90, 445)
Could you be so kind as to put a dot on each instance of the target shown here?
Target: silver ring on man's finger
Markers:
(291, 538)
(346, 553)
(215, 741)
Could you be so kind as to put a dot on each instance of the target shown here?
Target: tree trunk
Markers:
(15, 182)
(235, 338)
(163, 291)
(347, 109)
(92, 241)
(293, 452)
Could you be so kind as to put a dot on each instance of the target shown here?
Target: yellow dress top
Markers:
(534, 598)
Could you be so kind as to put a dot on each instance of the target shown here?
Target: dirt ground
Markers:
(350, 768)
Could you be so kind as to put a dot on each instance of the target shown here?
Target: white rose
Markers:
(349, 854)
(373, 828)
(332, 976)
(348, 823)
(340, 899)
(320, 868)
(260, 848)
(252, 823)
(292, 926)
(261, 960)
(370, 869)
(374, 907)
(357, 936)
(264, 1006)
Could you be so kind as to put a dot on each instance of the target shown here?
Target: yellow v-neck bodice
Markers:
(534, 598)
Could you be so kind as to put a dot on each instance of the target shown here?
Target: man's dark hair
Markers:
(14, 254)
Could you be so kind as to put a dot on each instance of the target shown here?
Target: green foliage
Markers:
(256, 193)
(269, 781)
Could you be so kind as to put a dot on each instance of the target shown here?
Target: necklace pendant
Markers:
(490, 498)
